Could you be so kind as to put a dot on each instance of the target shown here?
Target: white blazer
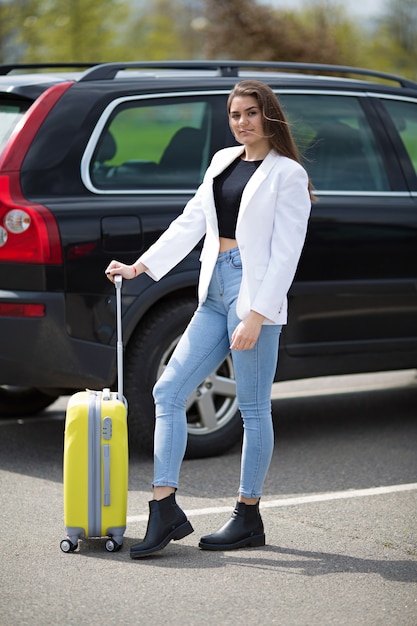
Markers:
(270, 233)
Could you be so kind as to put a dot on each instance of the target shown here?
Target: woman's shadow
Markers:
(274, 558)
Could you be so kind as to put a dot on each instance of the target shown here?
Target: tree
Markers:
(54, 31)
(100, 30)
(243, 29)
(401, 23)
(394, 47)
(13, 17)
(166, 29)
(123, 30)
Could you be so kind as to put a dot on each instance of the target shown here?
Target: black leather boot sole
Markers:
(178, 533)
(249, 542)
(244, 529)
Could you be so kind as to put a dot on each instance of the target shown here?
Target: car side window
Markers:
(404, 116)
(338, 147)
(10, 114)
(154, 145)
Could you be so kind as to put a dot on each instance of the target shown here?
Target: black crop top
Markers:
(228, 188)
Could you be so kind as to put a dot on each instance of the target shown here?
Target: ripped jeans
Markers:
(202, 348)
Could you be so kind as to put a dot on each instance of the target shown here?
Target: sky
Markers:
(360, 8)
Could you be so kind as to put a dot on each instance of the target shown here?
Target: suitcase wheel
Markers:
(112, 545)
(66, 545)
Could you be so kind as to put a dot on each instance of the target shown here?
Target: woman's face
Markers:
(246, 121)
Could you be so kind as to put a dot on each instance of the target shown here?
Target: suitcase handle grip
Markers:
(106, 463)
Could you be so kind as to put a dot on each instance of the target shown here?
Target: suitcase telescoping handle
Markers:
(118, 285)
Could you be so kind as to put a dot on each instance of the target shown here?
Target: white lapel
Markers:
(228, 156)
(256, 179)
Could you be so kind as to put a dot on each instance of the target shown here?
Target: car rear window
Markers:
(11, 113)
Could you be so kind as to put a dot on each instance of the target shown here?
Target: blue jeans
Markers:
(202, 348)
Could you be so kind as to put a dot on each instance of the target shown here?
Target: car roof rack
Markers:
(108, 71)
(8, 68)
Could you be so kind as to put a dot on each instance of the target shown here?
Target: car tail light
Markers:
(28, 231)
(80, 250)
(17, 221)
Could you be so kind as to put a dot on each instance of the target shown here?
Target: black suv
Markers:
(95, 162)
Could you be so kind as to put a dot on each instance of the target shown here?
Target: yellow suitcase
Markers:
(96, 461)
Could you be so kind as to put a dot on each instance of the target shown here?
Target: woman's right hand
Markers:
(126, 271)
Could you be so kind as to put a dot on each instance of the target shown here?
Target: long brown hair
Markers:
(275, 124)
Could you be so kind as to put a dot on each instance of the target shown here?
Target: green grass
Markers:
(146, 143)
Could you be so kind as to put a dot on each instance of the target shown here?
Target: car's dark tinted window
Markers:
(161, 144)
(337, 142)
(404, 116)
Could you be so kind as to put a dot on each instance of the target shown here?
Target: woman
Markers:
(252, 209)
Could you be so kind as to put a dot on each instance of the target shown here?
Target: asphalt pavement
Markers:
(339, 508)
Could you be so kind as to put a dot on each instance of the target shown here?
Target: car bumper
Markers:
(35, 352)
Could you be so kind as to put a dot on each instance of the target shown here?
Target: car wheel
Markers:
(19, 401)
(214, 423)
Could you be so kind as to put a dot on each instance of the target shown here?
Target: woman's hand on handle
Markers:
(126, 271)
(247, 332)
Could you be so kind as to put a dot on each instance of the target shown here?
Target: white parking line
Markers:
(350, 383)
(281, 502)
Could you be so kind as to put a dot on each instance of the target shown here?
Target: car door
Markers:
(353, 305)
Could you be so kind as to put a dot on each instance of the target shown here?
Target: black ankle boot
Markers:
(243, 530)
(166, 521)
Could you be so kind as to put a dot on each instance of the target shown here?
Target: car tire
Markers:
(214, 423)
(21, 401)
